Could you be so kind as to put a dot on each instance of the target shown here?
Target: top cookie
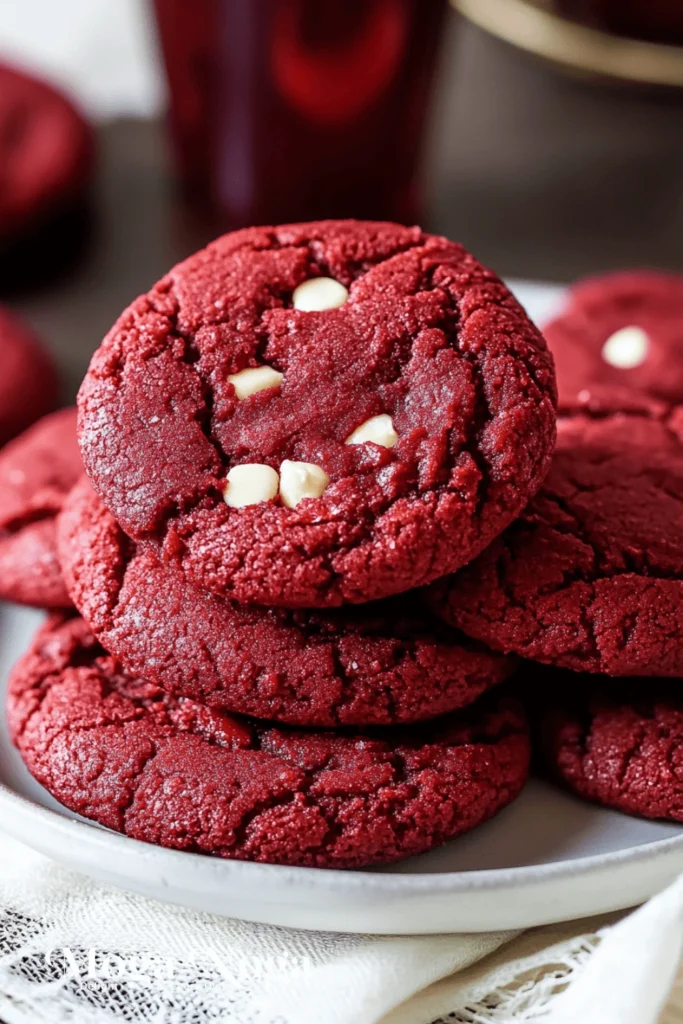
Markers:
(620, 331)
(320, 413)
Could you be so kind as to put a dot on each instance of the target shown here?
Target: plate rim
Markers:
(336, 879)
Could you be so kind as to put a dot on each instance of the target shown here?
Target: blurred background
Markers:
(546, 135)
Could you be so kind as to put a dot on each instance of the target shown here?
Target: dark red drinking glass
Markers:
(300, 109)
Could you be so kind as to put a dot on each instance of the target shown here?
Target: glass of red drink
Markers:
(300, 109)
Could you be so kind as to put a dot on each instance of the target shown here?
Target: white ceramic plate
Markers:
(547, 858)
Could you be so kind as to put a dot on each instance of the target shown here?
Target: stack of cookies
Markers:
(286, 440)
(322, 521)
(588, 582)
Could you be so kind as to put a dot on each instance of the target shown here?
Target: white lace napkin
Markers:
(71, 950)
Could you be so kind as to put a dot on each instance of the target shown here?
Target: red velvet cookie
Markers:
(383, 663)
(590, 577)
(46, 152)
(617, 745)
(179, 774)
(319, 414)
(37, 471)
(622, 330)
(28, 382)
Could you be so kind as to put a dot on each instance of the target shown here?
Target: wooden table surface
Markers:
(540, 175)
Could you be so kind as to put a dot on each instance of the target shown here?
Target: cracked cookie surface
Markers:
(427, 338)
(388, 662)
(619, 745)
(178, 774)
(37, 471)
(590, 577)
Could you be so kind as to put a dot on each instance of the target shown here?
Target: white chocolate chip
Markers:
(250, 483)
(254, 378)
(379, 429)
(299, 480)
(626, 348)
(319, 293)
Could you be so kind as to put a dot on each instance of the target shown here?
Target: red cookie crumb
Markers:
(428, 337)
(112, 748)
